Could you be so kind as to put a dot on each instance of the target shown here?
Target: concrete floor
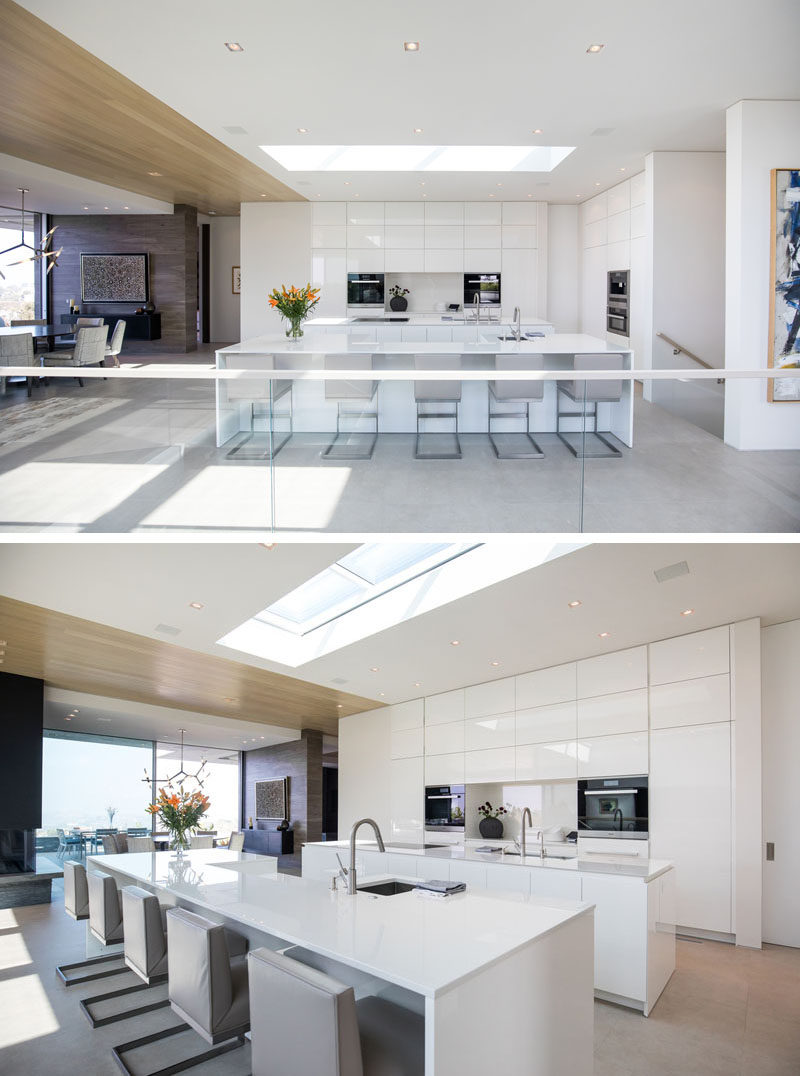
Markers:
(725, 1012)
(139, 457)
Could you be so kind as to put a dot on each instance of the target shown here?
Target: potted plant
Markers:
(491, 824)
(294, 305)
(180, 812)
(398, 299)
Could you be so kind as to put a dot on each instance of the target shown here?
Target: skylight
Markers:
(304, 158)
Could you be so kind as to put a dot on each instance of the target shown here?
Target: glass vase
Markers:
(295, 330)
(179, 843)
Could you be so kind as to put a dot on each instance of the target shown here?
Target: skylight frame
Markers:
(417, 158)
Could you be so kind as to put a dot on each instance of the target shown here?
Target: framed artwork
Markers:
(115, 278)
(784, 297)
(271, 799)
(236, 280)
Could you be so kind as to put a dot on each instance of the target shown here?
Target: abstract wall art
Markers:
(115, 278)
(784, 313)
(271, 798)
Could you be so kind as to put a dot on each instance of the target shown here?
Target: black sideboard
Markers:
(269, 842)
(139, 326)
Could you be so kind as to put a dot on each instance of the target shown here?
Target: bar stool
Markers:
(256, 393)
(341, 392)
(522, 391)
(594, 393)
(77, 905)
(437, 392)
(208, 989)
(372, 1036)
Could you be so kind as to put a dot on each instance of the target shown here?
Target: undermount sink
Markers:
(386, 889)
(507, 338)
(536, 855)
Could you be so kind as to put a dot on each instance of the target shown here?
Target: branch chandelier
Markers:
(38, 253)
(180, 776)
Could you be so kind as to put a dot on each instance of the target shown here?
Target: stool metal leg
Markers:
(437, 414)
(61, 969)
(613, 451)
(266, 454)
(536, 454)
(118, 1052)
(333, 447)
(126, 1014)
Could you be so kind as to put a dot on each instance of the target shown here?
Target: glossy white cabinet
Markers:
(365, 261)
(484, 261)
(622, 711)
(620, 948)
(703, 701)
(545, 883)
(404, 236)
(519, 236)
(407, 743)
(494, 730)
(444, 261)
(508, 879)
(365, 235)
(611, 756)
(546, 761)
(406, 808)
(409, 213)
(329, 213)
(543, 724)
(481, 236)
(496, 764)
(445, 769)
(407, 715)
(624, 670)
(444, 237)
(405, 261)
(619, 198)
(474, 874)
(444, 708)
(546, 686)
(619, 230)
(519, 213)
(483, 213)
(690, 819)
(368, 213)
(521, 279)
(589, 847)
(494, 697)
(410, 334)
(704, 653)
(444, 213)
(444, 739)
(328, 235)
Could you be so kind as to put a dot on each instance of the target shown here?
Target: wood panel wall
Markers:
(301, 762)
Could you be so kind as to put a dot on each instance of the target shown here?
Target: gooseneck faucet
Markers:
(477, 304)
(525, 811)
(351, 873)
(517, 324)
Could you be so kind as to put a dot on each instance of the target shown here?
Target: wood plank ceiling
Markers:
(80, 655)
(62, 107)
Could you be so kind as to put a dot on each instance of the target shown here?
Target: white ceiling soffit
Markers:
(482, 76)
(52, 191)
(523, 623)
(120, 717)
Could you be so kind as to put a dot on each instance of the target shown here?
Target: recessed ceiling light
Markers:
(338, 706)
(347, 183)
(229, 699)
(86, 207)
(374, 668)
(263, 737)
(530, 196)
(126, 207)
(382, 694)
(105, 207)
(622, 169)
(499, 184)
(577, 196)
(233, 46)
(417, 130)
(3, 642)
(67, 718)
(417, 683)
(196, 605)
(687, 612)
(76, 710)
(494, 663)
(422, 183)
(491, 196)
(302, 130)
(411, 46)
(595, 48)
(573, 605)
(154, 173)
(455, 642)
(263, 196)
(424, 196)
(603, 634)
(597, 184)
(355, 196)
(212, 212)
(537, 130)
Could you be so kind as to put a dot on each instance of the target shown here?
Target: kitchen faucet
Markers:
(525, 811)
(351, 872)
(517, 328)
(477, 303)
(618, 811)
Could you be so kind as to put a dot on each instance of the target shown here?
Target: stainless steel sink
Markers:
(386, 889)
(535, 855)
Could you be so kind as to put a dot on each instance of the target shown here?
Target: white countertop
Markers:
(422, 944)
(428, 317)
(645, 869)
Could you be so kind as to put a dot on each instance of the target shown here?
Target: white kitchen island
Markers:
(500, 979)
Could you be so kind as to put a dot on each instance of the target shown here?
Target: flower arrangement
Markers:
(397, 292)
(294, 305)
(487, 811)
(181, 813)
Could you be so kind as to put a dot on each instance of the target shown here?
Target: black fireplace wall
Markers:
(21, 724)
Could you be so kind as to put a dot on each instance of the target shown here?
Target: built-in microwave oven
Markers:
(485, 285)
(613, 807)
(444, 808)
(365, 289)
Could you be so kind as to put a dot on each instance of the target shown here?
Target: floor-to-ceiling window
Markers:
(21, 290)
(220, 778)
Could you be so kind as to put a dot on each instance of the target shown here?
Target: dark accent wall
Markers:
(21, 724)
(171, 242)
(301, 762)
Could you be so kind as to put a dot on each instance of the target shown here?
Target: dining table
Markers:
(40, 332)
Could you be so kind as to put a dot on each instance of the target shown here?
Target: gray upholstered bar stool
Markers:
(595, 392)
(501, 392)
(208, 990)
(256, 393)
(77, 905)
(363, 392)
(437, 392)
(141, 844)
(371, 1037)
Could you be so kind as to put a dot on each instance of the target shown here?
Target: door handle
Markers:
(770, 851)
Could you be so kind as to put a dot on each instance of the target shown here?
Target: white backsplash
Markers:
(427, 289)
(551, 804)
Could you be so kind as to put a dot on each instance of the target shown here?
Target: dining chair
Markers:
(236, 842)
(504, 392)
(89, 350)
(141, 844)
(437, 392)
(590, 393)
(201, 840)
(17, 349)
(39, 342)
(114, 346)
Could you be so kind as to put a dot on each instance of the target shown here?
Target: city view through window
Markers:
(18, 289)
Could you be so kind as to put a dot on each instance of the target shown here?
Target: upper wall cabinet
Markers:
(603, 715)
(407, 715)
(407, 743)
(365, 235)
(444, 708)
(371, 260)
(484, 261)
(519, 236)
(445, 769)
(624, 670)
(365, 213)
(704, 653)
(611, 756)
(520, 213)
(496, 697)
(703, 701)
(638, 189)
(543, 724)
(546, 686)
(403, 213)
(595, 209)
(444, 213)
(328, 235)
(481, 733)
(444, 236)
(619, 198)
(482, 236)
(404, 236)
(483, 213)
(324, 214)
(497, 764)
(444, 261)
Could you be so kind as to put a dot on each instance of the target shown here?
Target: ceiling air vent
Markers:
(235, 130)
(338, 680)
(167, 629)
(672, 571)
(599, 132)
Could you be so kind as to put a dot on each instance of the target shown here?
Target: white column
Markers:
(276, 250)
(746, 761)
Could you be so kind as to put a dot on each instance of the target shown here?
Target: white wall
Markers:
(780, 754)
(225, 253)
(761, 135)
(275, 246)
(364, 770)
(563, 273)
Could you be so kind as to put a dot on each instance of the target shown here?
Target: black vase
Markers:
(491, 827)
(398, 302)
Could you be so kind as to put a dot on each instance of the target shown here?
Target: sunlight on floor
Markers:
(27, 1014)
(13, 951)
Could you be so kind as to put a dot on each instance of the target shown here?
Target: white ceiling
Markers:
(484, 75)
(524, 623)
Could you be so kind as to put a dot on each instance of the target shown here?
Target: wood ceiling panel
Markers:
(79, 655)
(62, 107)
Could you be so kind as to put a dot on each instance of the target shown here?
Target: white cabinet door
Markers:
(405, 261)
(328, 235)
(547, 686)
(494, 697)
(619, 198)
(329, 272)
(404, 237)
(704, 653)
(444, 708)
(483, 213)
(388, 333)
(624, 711)
(624, 670)
(397, 863)
(496, 764)
(444, 213)
(366, 261)
(329, 213)
(444, 237)
(414, 334)
(620, 934)
(612, 756)
(619, 231)
(406, 794)
(544, 724)
(546, 761)
(407, 743)
(444, 739)
(482, 237)
(407, 715)
(638, 189)
(464, 870)
(690, 819)
(409, 213)
(369, 213)
(365, 235)
(555, 883)
(439, 334)
(368, 863)
(478, 260)
(519, 213)
(495, 730)
(691, 702)
(623, 849)
(519, 236)
(445, 769)
(521, 280)
(444, 261)
(508, 878)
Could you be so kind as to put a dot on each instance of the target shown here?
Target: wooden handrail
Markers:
(678, 350)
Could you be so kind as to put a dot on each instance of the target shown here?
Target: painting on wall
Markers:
(784, 320)
(272, 799)
(236, 280)
(115, 278)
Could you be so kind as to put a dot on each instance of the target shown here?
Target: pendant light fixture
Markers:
(38, 253)
(180, 776)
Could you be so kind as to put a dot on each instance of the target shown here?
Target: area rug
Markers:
(32, 418)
